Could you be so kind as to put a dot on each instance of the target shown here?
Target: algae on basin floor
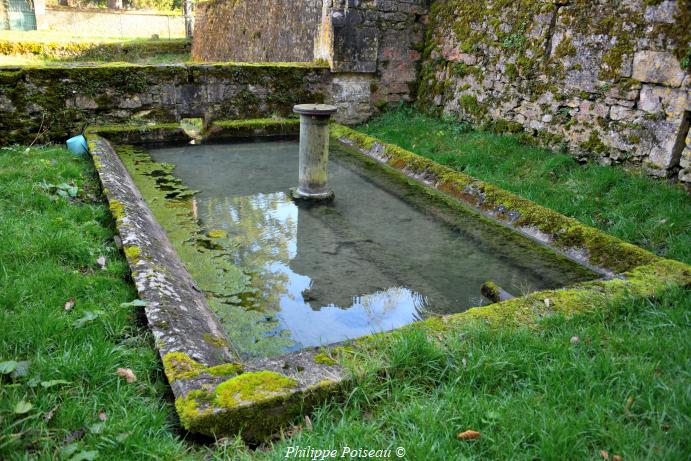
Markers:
(385, 253)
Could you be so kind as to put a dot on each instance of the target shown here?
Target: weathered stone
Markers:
(85, 102)
(664, 12)
(621, 113)
(657, 67)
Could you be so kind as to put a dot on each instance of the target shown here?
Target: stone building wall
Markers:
(372, 46)
(59, 102)
(256, 31)
(85, 22)
(600, 78)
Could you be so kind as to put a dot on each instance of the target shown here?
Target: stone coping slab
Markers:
(219, 395)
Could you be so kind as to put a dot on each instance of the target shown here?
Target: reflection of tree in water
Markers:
(378, 305)
(261, 229)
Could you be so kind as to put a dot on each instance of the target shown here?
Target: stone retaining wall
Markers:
(50, 104)
(605, 81)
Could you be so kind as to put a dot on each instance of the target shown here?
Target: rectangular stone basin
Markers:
(283, 276)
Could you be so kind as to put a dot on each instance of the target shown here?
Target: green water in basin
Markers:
(384, 254)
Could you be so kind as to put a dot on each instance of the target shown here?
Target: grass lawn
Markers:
(631, 206)
(622, 386)
(49, 247)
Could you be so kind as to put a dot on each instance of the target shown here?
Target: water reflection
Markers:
(306, 272)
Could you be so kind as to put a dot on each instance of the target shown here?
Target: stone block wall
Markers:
(51, 104)
(372, 46)
(602, 79)
(256, 31)
(380, 37)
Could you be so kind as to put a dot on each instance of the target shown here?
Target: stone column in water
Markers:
(314, 151)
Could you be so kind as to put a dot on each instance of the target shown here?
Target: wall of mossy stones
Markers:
(604, 80)
(53, 103)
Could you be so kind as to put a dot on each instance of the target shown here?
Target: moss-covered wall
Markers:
(82, 50)
(605, 80)
(53, 103)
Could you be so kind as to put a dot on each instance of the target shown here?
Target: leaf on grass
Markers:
(135, 303)
(22, 369)
(70, 304)
(22, 407)
(97, 428)
(102, 415)
(127, 374)
(67, 190)
(85, 456)
(122, 437)
(88, 317)
(8, 367)
(468, 435)
(53, 382)
(101, 261)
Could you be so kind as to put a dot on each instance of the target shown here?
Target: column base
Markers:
(299, 196)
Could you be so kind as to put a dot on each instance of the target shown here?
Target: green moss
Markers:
(117, 209)
(594, 144)
(324, 359)
(252, 387)
(132, 252)
(178, 365)
(227, 369)
(217, 234)
(215, 340)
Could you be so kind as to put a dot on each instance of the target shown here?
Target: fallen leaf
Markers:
(102, 415)
(87, 317)
(85, 456)
(8, 367)
(547, 302)
(101, 261)
(617, 458)
(122, 437)
(604, 454)
(127, 374)
(97, 428)
(22, 369)
(22, 407)
(575, 340)
(468, 435)
(53, 382)
(70, 304)
(308, 423)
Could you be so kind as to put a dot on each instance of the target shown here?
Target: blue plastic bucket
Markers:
(77, 145)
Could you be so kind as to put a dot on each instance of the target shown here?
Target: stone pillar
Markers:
(314, 151)
(40, 14)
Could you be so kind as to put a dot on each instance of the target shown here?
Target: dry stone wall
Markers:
(51, 104)
(600, 78)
